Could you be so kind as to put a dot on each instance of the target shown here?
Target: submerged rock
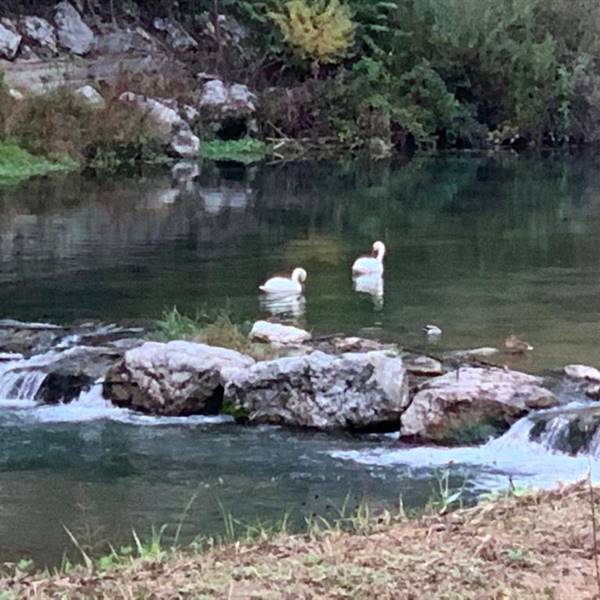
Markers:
(10, 39)
(275, 333)
(73, 33)
(177, 379)
(75, 371)
(572, 431)
(471, 403)
(357, 391)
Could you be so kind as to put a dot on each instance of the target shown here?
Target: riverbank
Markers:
(519, 546)
(236, 71)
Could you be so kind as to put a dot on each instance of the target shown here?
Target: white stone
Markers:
(164, 116)
(214, 93)
(190, 114)
(40, 31)
(10, 40)
(275, 333)
(184, 143)
(74, 34)
(91, 95)
(582, 372)
(15, 94)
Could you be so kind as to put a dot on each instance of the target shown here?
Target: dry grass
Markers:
(536, 546)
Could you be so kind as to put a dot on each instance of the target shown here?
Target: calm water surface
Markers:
(482, 246)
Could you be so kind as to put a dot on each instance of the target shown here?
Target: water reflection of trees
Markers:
(529, 202)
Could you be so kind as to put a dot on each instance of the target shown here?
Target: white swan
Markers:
(285, 285)
(371, 264)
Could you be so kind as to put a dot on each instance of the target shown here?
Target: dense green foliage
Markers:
(435, 72)
(428, 73)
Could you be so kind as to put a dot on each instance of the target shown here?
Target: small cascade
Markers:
(21, 379)
(517, 437)
(573, 429)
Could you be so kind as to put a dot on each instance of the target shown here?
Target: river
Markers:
(482, 245)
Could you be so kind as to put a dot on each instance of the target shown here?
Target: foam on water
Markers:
(92, 406)
(490, 465)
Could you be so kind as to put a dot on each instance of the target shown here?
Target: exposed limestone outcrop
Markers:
(73, 33)
(176, 379)
(318, 390)
(469, 403)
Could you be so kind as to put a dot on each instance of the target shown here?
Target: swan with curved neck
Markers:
(285, 285)
(370, 264)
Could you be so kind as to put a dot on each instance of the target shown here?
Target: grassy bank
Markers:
(531, 546)
(17, 164)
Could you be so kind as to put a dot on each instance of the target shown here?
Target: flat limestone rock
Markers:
(275, 333)
(582, 372)
(470, 398)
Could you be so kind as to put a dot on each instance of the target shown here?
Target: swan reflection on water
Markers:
(284, 306)
(372, 284)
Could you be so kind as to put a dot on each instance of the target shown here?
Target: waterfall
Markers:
(22, 378)
(572, 429)
(518, 436)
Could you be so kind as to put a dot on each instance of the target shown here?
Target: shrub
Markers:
(322, 31)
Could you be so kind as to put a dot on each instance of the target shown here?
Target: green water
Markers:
(483, 246)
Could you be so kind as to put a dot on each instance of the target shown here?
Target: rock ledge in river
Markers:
(472, 399)
(357, 391)
(177, 379)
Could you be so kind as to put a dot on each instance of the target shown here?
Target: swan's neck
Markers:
(380, 254)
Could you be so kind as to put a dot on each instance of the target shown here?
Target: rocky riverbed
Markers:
(332, 383)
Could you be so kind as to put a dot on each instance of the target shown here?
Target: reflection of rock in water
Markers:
(284, 306)
(371, 284)
(216, 200)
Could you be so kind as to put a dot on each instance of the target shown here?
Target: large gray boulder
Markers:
(471, 403)
(40, 32)
(74, 34)
(233, 105)
(182, 142)
(10, 39)
(176, 379)
(356, 391)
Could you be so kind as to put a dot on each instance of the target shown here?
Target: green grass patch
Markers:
(17, 164)
(247, 150)
(212, 327)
